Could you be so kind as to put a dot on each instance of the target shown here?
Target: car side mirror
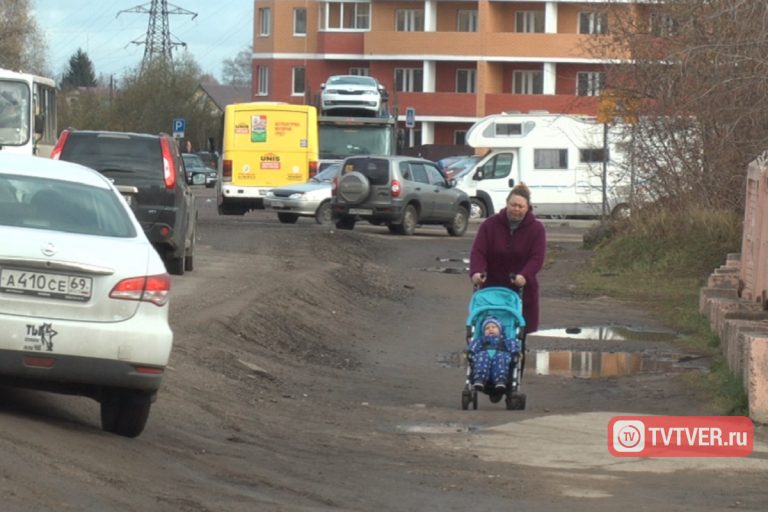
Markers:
(322, 86)
(479, 175)
(39, 124)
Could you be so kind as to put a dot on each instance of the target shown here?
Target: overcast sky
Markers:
(219, 31)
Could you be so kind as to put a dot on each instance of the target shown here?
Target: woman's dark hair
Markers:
(522, 190)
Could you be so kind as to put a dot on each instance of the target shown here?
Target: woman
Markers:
(512, 242)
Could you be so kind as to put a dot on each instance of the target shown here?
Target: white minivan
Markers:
(560, 158)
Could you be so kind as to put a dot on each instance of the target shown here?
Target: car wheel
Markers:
(323, 215)
(345, 223)
(354, 188)
(410, 221)
(477, 209)
(125, 413)
(621, 211)
(459, 224)
(287, 218)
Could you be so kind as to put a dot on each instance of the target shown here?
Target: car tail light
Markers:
(226, 170)
(154, 289)
(169, 171)
(57, 149)
(312, 168)
(395, 188)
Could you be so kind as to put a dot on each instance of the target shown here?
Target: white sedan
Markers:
(83, 294)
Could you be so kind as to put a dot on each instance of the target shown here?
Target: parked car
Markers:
(149, 171)
(83, 293)
(210, 159)
(195, 166)
(397, 191)
(310, 199)
(459, 167)
(360, 95)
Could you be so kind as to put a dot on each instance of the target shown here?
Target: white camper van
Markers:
(559, 157)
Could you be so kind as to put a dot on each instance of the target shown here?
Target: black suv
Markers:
(400, 192)
(149, 171)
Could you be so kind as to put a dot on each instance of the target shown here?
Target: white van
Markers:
(560, 159)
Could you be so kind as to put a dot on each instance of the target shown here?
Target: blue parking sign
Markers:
(179, 127)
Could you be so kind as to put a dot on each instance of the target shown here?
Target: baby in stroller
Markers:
(495, 347)
(491, 356)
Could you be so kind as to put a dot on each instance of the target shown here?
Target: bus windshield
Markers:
(14, 113)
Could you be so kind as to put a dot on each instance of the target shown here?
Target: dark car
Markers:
(397, 191)
(196, 169)
(149, 172)
(209, 159)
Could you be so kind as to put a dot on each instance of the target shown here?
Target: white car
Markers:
(310, 199)
(352, 94)
(83, 294)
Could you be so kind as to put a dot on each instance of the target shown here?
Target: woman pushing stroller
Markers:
(512, 242)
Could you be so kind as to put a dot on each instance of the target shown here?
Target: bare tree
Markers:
(694, 88)
(22, 45)
(237, 71)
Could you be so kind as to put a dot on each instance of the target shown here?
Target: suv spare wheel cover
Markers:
(354, 187)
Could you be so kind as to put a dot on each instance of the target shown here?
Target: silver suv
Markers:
(400, 192)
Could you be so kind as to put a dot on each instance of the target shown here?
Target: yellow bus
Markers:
(265, 145)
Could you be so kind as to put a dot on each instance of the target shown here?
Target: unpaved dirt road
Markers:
(316, 370)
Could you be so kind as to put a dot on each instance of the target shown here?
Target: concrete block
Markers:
(723, 280)
(756, 362)
(705, 294)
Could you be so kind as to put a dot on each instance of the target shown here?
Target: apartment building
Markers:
(451, 61)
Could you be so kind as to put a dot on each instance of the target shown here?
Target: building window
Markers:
(350, 15)
(593, 23)
(359, 71)
(466, 20)
(262, 73)
(409, 79)
(589, 83)
(460, 137)
(663, 25)
(409, 20)
(299, 84)
(550, 158)
(300, 22)
(592, 155)
(528, 82)
(265, 21)
(465, 80)
(529, 21)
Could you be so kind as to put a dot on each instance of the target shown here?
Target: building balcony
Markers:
(499, 45)
(340, 42)
(558, 103)
(435, 103)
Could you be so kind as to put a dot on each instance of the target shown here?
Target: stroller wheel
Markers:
(496, 397)
(516, 402)
(466, 397)
(474, 400)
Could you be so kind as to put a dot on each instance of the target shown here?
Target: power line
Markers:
(158, 43)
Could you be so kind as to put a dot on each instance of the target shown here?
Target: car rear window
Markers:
(375, 169)
(62, 206)
(115, 153)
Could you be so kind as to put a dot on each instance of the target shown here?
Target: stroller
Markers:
(506, 305)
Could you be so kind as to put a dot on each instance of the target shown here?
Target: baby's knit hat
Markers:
(492, 320)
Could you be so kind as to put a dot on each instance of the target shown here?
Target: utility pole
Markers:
(157, 43)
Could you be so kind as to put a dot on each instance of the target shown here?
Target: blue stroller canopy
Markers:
(503, 303)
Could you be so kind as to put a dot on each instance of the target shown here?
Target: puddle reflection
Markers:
(593, 365)
(605, 333)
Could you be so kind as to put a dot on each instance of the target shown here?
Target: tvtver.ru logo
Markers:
(628, 436)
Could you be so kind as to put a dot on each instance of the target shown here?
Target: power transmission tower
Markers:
(157, 43)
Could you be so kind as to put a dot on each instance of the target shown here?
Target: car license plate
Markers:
(43, 284)
(277, 204)
(360, 211)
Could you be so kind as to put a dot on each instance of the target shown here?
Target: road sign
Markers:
(179, 127)
(410, 117)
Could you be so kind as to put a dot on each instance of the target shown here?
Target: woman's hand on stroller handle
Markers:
(479, 278)
(517, 280)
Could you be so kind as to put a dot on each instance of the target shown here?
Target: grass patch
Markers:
(659, 261)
